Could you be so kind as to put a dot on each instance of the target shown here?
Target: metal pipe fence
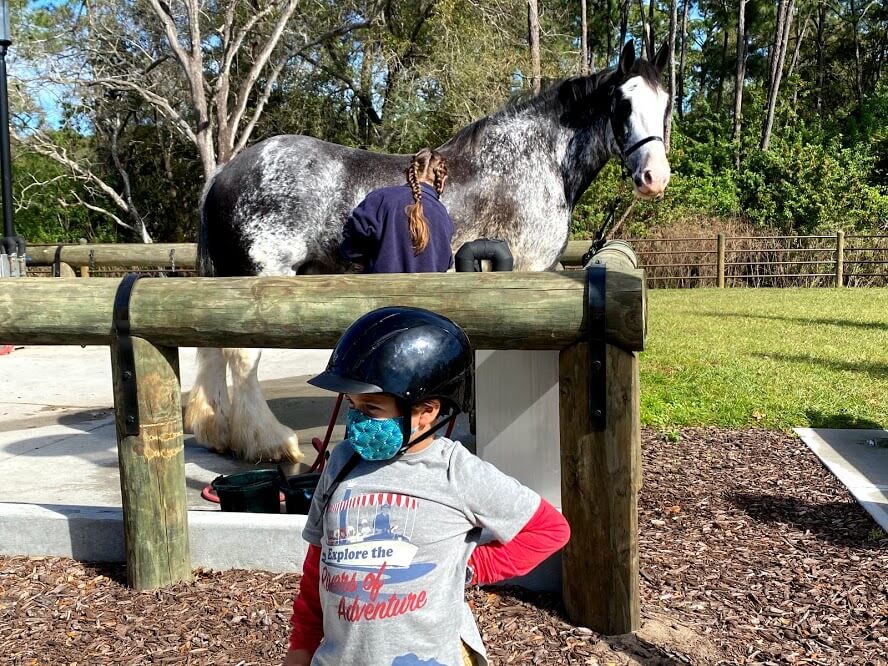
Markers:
(758, 261)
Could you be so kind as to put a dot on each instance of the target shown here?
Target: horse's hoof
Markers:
(275, 443)
(202, 421)
(291, 451)
(206, 421)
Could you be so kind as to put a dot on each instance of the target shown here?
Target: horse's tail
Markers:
(205, 266)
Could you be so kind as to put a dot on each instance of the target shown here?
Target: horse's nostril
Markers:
(648, 177)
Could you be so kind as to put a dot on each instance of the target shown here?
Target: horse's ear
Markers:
(627, 58)
(662, 57)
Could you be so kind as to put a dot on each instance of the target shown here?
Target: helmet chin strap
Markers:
(407, 409)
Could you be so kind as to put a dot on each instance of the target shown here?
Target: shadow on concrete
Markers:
(84, 419)
(88, 533)
(839, 523)
(90, 469)
(72, 417)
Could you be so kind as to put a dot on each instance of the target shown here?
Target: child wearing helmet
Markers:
(395, 526)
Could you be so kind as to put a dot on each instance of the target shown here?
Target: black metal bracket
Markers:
(126, 360)
(57, 261)
(596, 278)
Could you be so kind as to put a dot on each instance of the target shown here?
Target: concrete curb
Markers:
(218, 541)
(862, 469)
(95, 534)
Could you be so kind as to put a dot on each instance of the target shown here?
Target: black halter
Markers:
(638, 144)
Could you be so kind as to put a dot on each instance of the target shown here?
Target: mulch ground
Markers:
(751, 553)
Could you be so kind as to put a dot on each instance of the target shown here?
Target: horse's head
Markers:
(637, 116)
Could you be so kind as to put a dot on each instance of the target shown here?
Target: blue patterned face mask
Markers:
(374, 439)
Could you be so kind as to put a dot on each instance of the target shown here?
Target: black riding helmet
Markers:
(410, 353)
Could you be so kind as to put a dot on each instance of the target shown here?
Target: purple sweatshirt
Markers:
(377, 236)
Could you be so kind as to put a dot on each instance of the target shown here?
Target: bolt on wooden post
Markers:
(152, 468)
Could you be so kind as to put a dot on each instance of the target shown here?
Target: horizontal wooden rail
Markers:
(114, 254)
(498, 310)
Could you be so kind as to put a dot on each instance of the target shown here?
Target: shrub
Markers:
(805, 187)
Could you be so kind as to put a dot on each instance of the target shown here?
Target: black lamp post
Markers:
(13, 245)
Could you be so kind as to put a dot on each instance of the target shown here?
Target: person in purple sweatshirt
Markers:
(405, 228)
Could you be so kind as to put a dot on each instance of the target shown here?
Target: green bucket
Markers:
(255, 491)
(298, 491)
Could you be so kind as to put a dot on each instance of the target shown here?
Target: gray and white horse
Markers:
(278, 208)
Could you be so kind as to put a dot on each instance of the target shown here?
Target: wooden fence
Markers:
(595, 318)
(716, 261)
(112, 259)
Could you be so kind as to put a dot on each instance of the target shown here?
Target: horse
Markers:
(278, 208)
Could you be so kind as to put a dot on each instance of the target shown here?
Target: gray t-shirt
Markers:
(395, 540)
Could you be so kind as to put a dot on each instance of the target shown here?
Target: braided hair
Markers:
(431, 167)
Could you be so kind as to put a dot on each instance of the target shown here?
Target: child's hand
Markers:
(297, 658)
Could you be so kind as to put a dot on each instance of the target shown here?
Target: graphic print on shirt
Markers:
(367, 547)
(412, 660)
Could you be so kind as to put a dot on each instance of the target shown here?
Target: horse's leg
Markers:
(208, 404)
(255, 433)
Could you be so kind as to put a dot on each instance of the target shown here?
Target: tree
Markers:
(533, 39)
(739, 77)
(778, 55)
(673, 20)
(681, 61)
(207, 71)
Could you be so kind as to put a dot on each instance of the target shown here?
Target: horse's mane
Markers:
(556, 98)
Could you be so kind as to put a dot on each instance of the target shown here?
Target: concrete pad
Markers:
(48, 380)
(58, 460)
(856, 461)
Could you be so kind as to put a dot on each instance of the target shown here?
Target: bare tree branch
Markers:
(258, 65)
(41, 144)
(160, 103)
(98, 209)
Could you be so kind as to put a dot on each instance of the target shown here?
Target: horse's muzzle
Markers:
(649, 193)
(650, 185)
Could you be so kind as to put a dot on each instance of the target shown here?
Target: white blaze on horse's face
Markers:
(648, 164)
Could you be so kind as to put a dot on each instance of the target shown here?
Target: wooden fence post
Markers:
(840, 258)
(720, 261)
(84, 268)
(152, 468)
(600, 482)
(66, 270)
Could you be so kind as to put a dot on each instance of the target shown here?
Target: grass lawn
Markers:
(771, 358)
